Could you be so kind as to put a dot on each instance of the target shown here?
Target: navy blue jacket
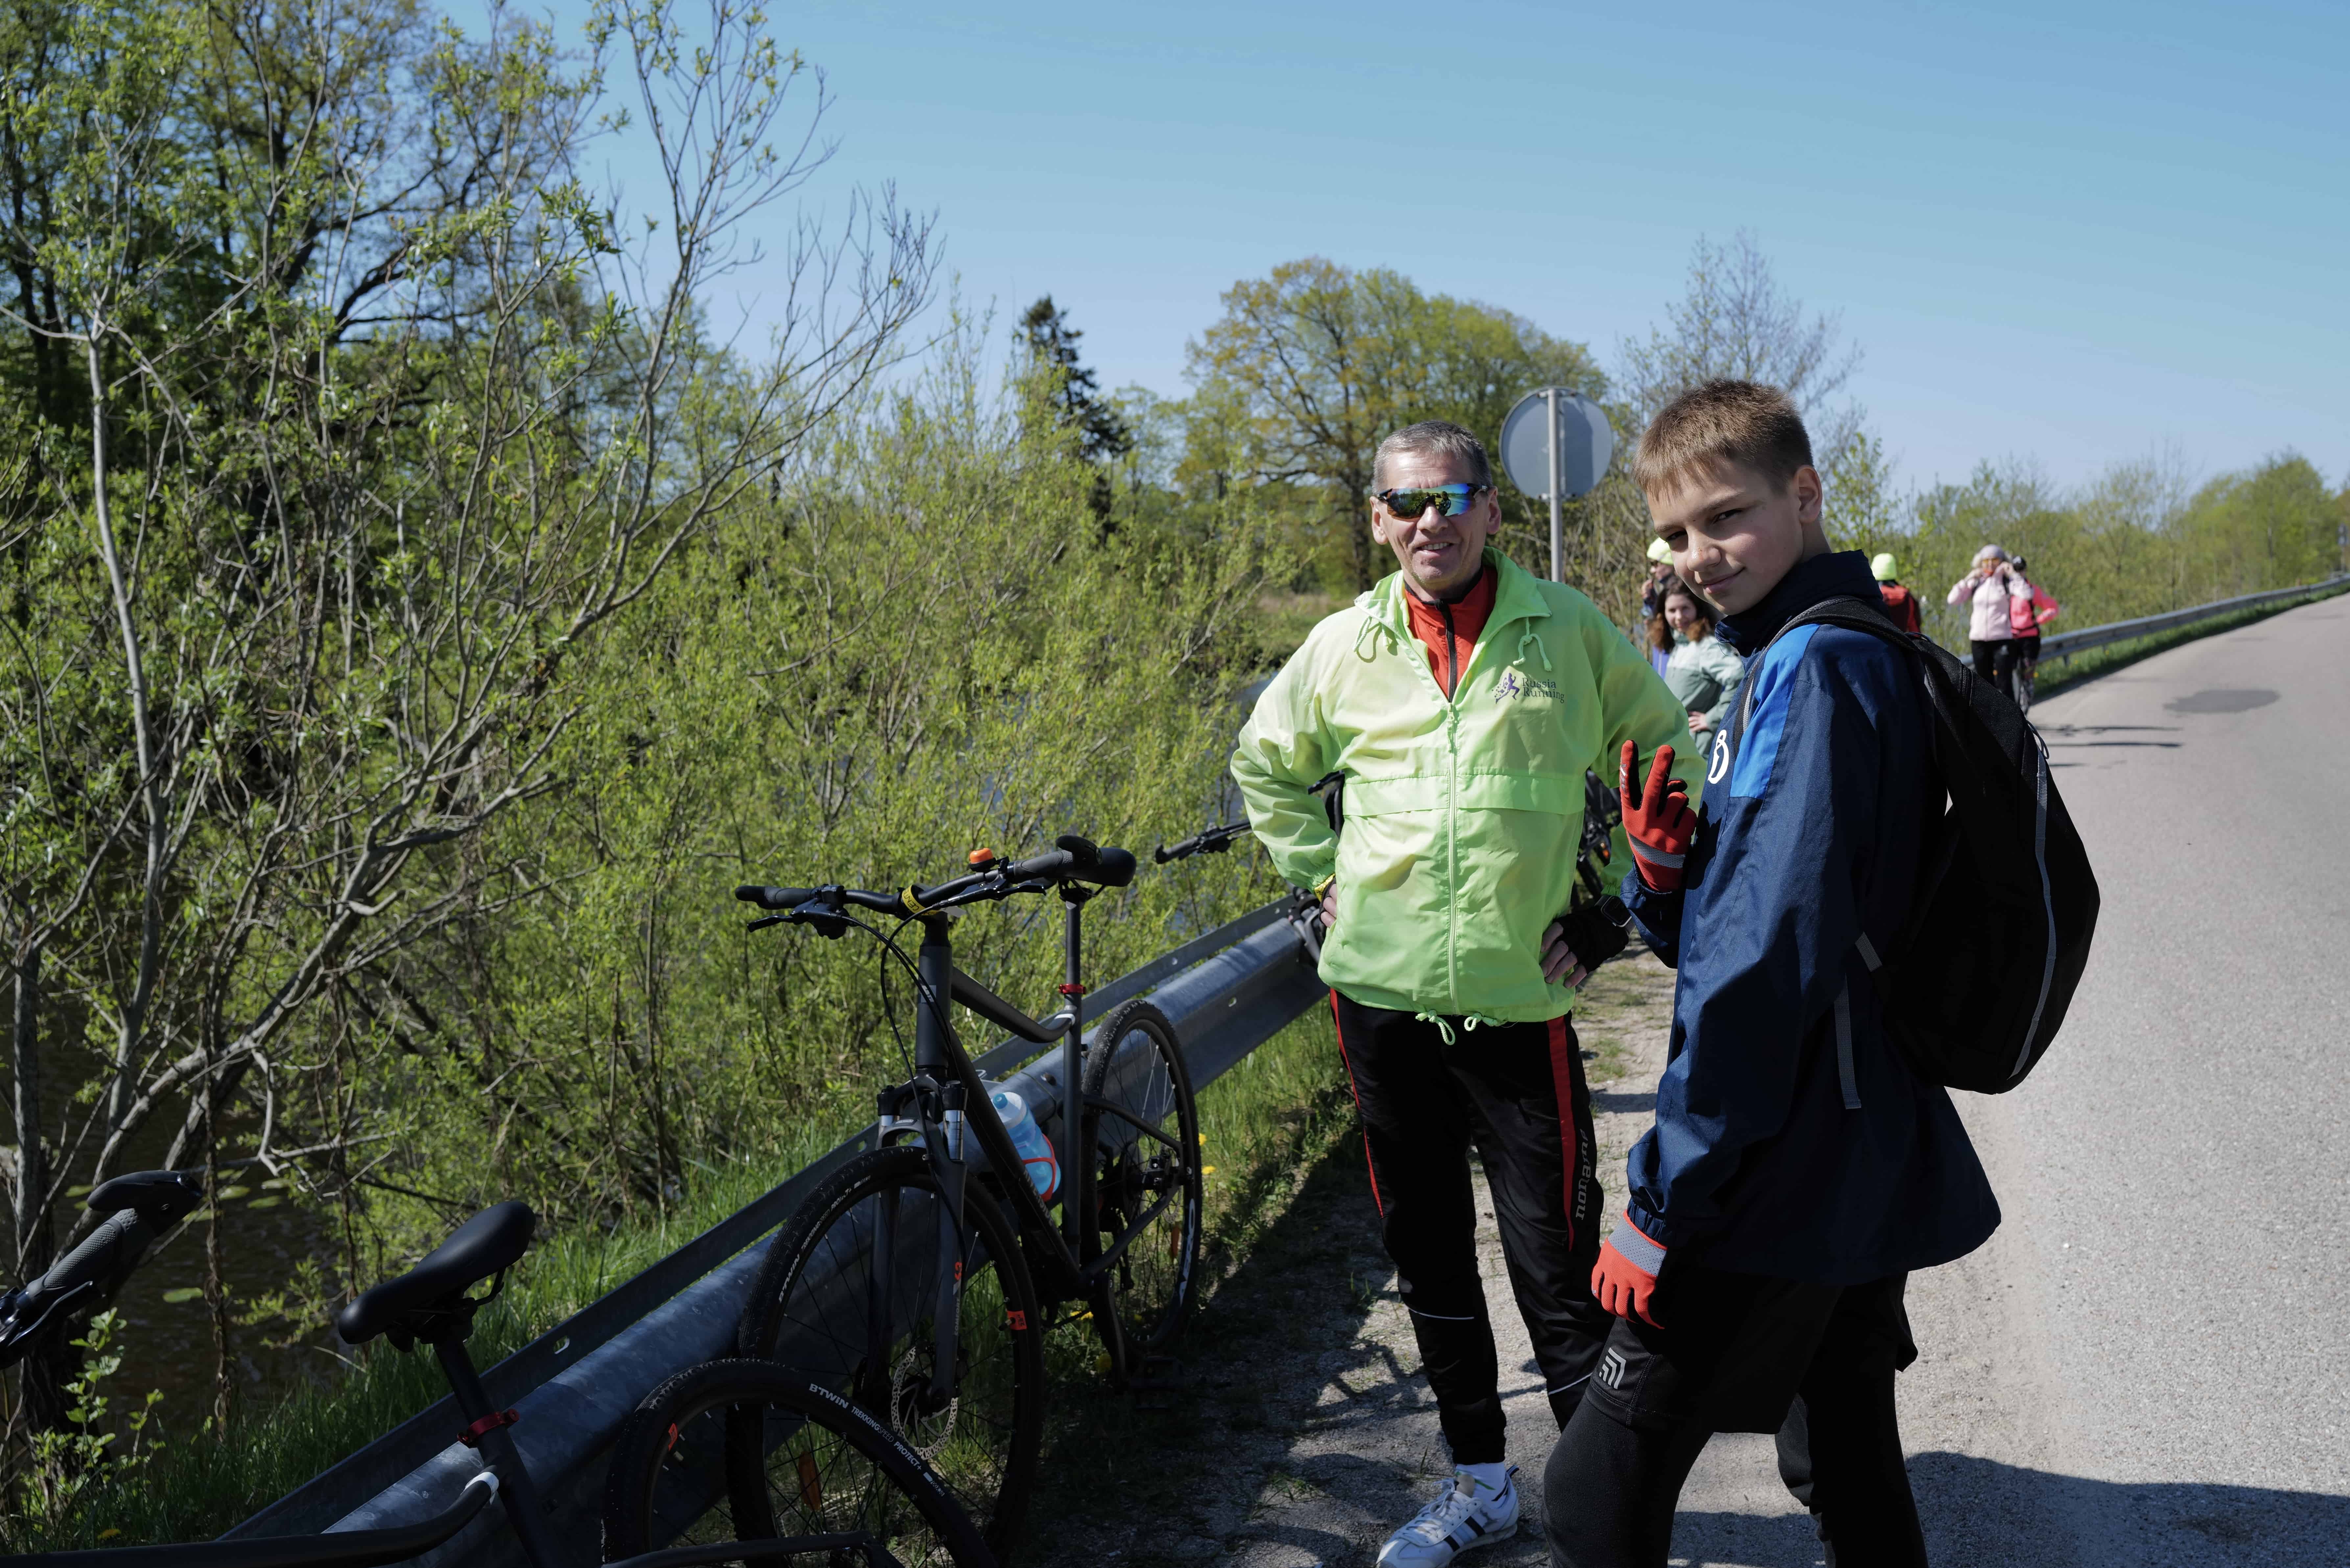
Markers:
(1790, 1141)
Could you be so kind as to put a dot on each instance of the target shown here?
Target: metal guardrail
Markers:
(1226, 992)
(2063, 645)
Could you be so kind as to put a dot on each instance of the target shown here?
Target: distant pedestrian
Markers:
(1652, 596)
(1989, 590)
(2028, 611)
(1900, 602)
(1700, 668)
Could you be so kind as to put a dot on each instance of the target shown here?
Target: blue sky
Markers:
(2073, 231)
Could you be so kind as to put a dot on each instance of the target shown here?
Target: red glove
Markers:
(1623, 1285)
(1657, 821)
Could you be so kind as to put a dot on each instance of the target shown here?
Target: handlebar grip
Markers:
(1051, 863)
(775, 898)
(104, 1257)
(97, 1255)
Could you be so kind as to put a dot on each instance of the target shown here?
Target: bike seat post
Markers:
(496, 1441)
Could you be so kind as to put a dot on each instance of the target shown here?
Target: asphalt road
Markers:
(2150, 1363)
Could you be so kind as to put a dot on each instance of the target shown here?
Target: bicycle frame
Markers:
(940, 1058)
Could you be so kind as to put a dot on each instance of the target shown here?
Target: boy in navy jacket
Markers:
(1797, 1170)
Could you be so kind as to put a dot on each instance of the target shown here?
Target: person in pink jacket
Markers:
(1990, 591)
(2027, 612)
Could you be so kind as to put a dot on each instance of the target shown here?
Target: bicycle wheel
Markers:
(861, 1320)
(1143, 1126)
(748, 1450)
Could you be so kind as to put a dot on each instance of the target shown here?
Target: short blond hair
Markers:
(1741, 422)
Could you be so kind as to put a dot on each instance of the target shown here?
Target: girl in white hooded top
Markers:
(1990, 591)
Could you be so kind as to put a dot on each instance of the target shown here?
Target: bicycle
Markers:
(921, 1293)
(738, 1459)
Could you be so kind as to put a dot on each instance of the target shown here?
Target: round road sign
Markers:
(1586, 443)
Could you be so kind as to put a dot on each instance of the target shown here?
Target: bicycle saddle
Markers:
(484, 1245)
(160, 1198)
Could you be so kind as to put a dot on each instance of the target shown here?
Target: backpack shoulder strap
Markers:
(1851, 615)
(1844, 612)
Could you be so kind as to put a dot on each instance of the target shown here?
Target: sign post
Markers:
(1557, 524)
(1557, 443)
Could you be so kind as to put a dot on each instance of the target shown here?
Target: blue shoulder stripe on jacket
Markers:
(1774, 688)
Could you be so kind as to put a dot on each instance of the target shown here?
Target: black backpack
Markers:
(1981, 973)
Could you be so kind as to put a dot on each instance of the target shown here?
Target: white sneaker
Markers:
(1458, 1519)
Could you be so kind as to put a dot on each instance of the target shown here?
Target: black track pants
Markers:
(1995, 661)
(1516, 1092)
(1612, 1483)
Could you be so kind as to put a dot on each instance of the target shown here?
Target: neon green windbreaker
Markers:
(1463, 816)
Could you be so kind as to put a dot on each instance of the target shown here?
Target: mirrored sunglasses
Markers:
(1450, 500)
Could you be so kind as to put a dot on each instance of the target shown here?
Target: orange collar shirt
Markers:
(1449, 632)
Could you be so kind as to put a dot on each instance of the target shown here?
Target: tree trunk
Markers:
(215, 1280)
(47, 1367)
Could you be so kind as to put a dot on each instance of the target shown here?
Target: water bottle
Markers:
(1035, 1150)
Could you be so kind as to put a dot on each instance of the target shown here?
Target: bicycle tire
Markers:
(986, 1442)
(1137, 1062)
(680, 1474)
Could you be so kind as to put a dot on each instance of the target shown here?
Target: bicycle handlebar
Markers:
(1209, 841)
(788, 898)
(120, 1240)
(1077, 861)
(144, 1205)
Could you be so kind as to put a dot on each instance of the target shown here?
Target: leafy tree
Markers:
(2140, 538)
(2270, 526)
(1736, 320)
(1310, 367)
(377, 421)
(1102, 434)
(914, 647)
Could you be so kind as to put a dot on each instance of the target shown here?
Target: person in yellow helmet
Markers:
(1900, 602)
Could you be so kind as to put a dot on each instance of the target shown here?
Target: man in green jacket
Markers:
(1462, 699)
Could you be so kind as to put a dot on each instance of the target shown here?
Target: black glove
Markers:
(1597, 931)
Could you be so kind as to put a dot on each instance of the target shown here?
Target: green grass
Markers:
(2059, 676)
(1264, 1120)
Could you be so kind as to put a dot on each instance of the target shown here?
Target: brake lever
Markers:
(829, 923)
